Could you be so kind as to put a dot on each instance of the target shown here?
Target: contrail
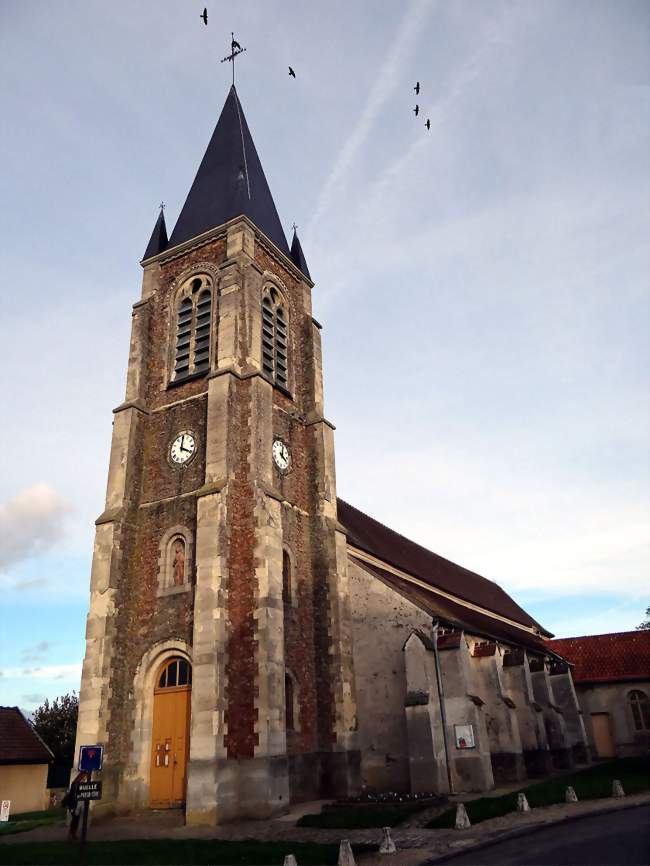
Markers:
(389, 76)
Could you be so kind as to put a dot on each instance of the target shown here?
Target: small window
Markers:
(640, 706)
(286, 578)
(193, 330)
(288, 702)
(177, 672)
(275, 339)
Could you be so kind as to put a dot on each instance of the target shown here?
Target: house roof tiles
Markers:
(19, 742)
(623, 655)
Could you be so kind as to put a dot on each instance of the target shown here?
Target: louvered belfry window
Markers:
(193, 330)
(274, 339)
(202, 332)
(183, 339)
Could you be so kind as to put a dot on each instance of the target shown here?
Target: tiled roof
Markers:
(394, 549)
(19, 742)
(623, 655)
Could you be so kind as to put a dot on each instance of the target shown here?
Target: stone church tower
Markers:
(218, 670)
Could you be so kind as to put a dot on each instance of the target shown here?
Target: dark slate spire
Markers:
(230, 182)
(298, 256)
(158, 241)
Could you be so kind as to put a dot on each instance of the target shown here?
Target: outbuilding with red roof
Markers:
(24, 761)
(611, 673)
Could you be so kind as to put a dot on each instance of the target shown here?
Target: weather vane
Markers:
(235, 49)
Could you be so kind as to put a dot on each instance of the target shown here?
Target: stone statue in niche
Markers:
(178, 563)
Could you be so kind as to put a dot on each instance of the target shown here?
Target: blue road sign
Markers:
(90, 758)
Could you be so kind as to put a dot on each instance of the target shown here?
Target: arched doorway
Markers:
(170, 734)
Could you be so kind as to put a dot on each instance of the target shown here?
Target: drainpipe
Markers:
(441, 701)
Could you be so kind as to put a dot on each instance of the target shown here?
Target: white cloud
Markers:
(46, 672)
(512, 523)
(37, 652)
(30, 523)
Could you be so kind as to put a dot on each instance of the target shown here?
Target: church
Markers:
(253, 641)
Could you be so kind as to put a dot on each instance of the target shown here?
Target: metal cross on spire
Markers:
(235, 49)
(162, 206)
(294, 227)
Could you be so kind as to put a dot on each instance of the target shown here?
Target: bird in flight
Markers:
(416, 110)
(417, 88)
(292, 73)
(428, 124)
(205, 17)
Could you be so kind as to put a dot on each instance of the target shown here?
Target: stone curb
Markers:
(497, 836)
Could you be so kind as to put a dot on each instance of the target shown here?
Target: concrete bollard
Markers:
(570, 795)
(522, 803)
(462, 818)
(617, 789)
(346, 857)
(290, 860)
(387, 845)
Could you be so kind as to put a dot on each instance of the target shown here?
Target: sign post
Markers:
(90, 759)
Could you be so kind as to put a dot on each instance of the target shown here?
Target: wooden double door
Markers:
(170, 740)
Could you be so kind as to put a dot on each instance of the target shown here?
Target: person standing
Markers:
(74, 805)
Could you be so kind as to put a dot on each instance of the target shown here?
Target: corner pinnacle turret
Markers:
(297, 255)
(158, 240)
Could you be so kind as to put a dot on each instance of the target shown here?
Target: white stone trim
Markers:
(144, 681)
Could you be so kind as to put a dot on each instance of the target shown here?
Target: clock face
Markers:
(281, 455)
(183, 448)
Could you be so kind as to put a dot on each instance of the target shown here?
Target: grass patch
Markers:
(215, 852)
(594, 783)
(23, 821)
(361, 816)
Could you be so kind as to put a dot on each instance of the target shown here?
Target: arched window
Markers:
(288, 702)
(193, 329)
(640, 706)
(274, 339)
(287, 595)
(175, 673)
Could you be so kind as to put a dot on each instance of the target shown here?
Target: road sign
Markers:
(90, 758)
(89, 791)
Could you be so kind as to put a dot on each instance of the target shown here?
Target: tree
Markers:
(56, 725)
(646, 622)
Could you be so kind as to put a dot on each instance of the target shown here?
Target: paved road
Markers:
(604, 840)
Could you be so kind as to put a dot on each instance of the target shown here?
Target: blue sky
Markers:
(483, 286)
